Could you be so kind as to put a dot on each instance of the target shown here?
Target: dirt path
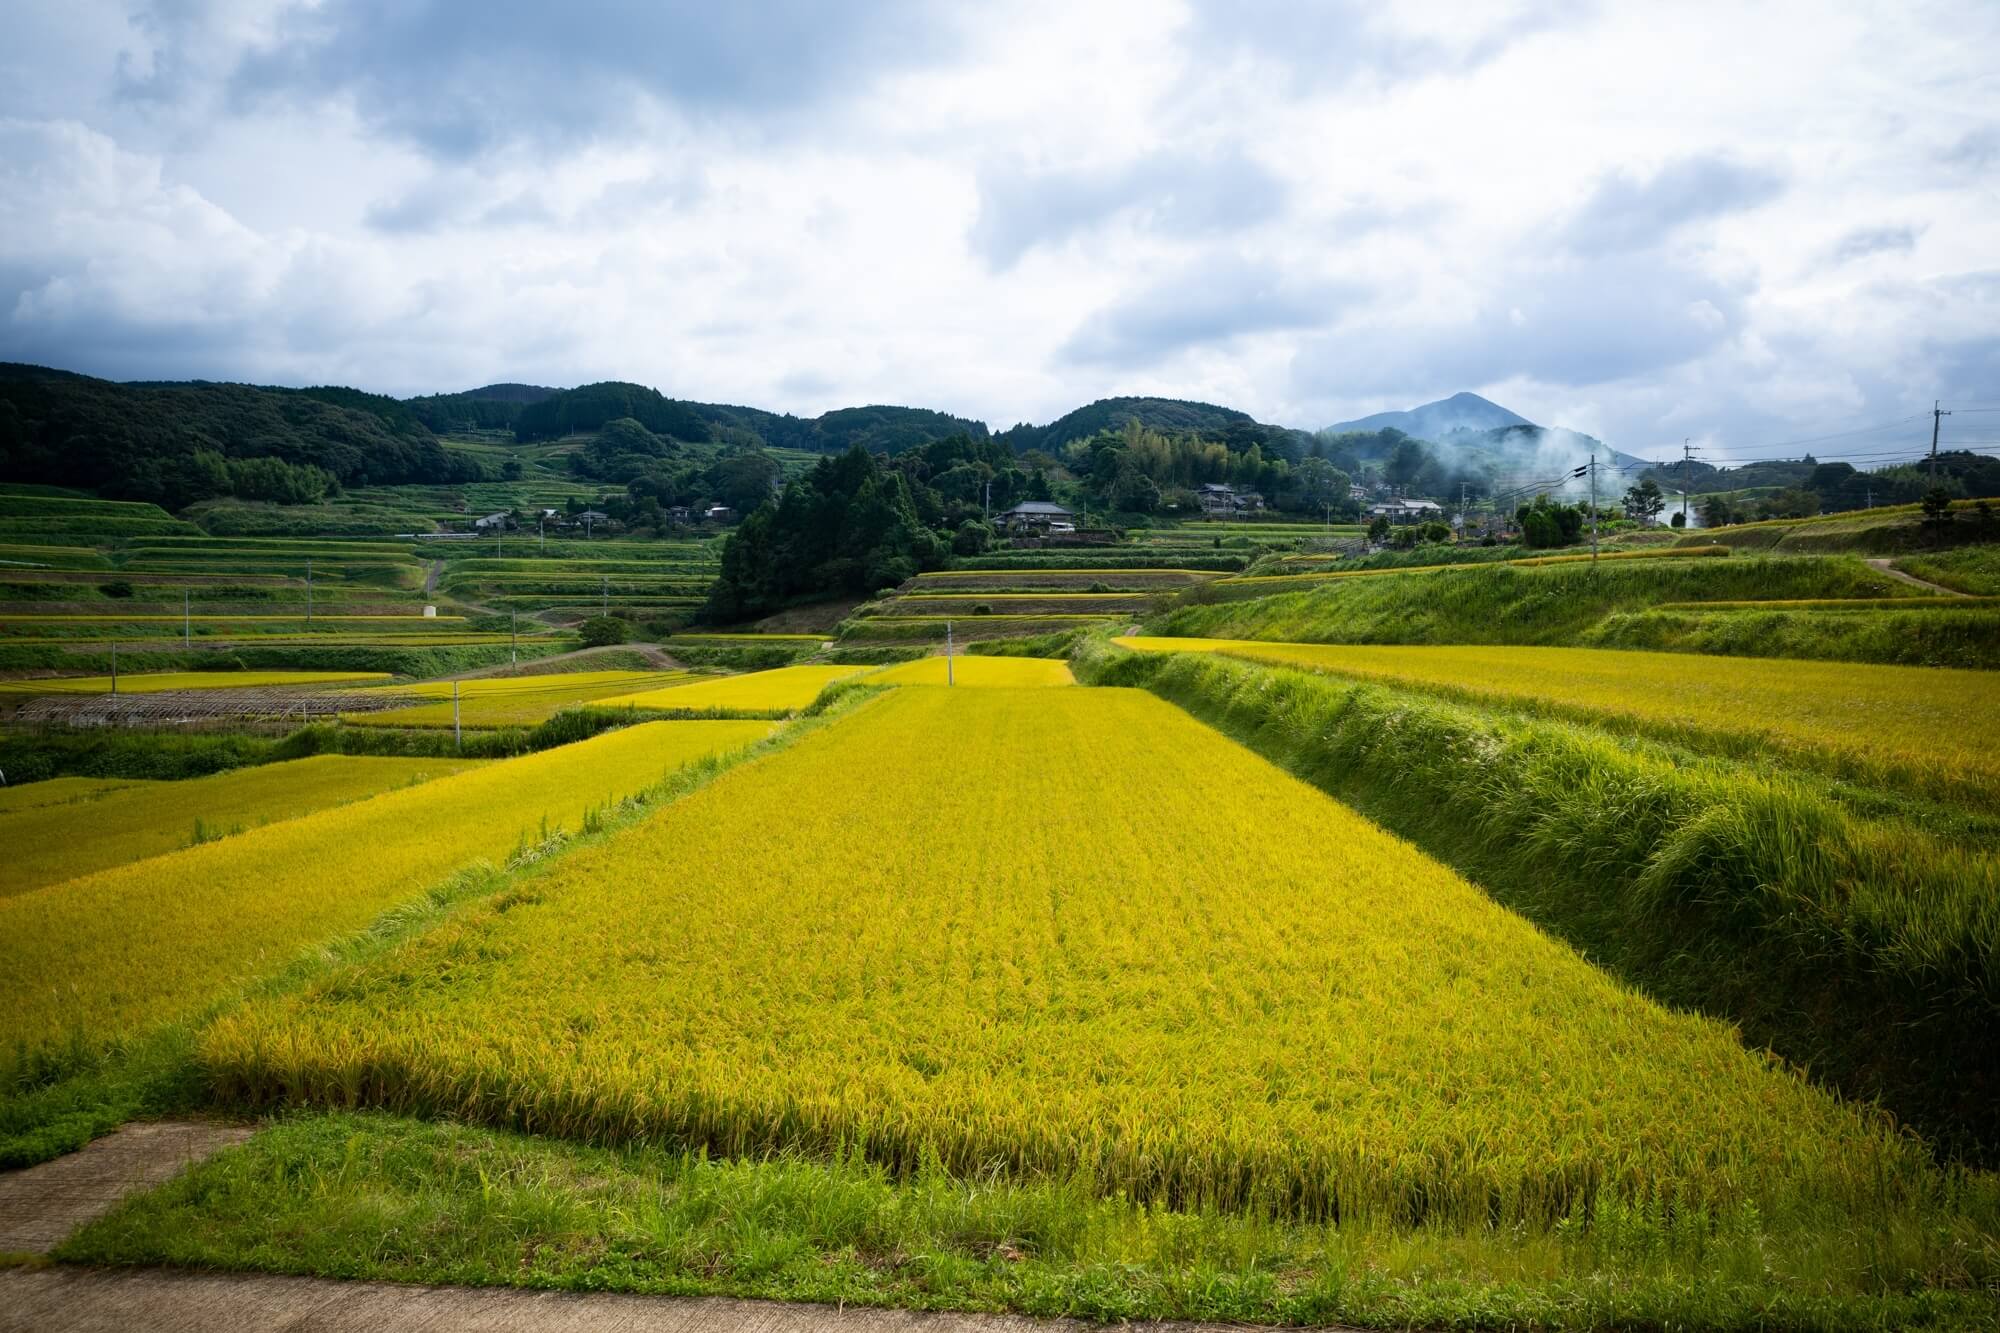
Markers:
(656, 657)
(432, 568)
(94, 1299)
(1882, 563)
(41, 1205)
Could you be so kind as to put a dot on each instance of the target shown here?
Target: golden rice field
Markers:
(780, 690)
(62, 791)
(58, 842)
(987, 955)
(153, 682)
(1533, 561)
(1917, 722)
(514, 701)
(129, 947)
(177, 619)
(976, 671)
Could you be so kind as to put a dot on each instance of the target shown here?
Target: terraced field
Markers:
(515, 701)
(1937, 730)
(773, 693)
(125, 948)
(156, 682)
(54, 842)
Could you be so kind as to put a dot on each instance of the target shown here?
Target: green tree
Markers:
(1644, 502)
(602, 631)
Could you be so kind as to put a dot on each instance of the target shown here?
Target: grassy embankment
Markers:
(1612, 605)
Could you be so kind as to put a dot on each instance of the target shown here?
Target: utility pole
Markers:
(187, 622)
(604, 591)
(114, 670)
(1687, 473)
(309, 591)
(986, 505)
(1593, 509)
(457, 737)
(1936, 417)
(542, 531)
(513, 636)
(948, 679)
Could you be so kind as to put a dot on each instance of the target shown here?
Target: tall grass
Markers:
(1940, 636)
(1866, 951)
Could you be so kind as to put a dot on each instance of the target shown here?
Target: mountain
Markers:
(1433, 421)
(1172, 416)
(490, 407)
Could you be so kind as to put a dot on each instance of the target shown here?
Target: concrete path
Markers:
(41, 1205)
(82, 1300)
(1882, 563)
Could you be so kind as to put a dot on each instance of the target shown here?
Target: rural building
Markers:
(493, 523)
(1216, 498)
(1031, 514)
(1409, 511)
(593, 516)
(719, 514)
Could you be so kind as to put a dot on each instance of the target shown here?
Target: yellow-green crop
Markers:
(514, 701)
(781, 690)
(136, 945)
(63, 841)
(152, 682)
(61, 791)
(977, 671)
(1064, 931)
(1883, 719)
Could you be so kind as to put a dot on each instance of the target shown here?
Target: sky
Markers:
(1748, 225)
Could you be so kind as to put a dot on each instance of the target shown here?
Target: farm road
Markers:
(41, 1205)
(82, 1300)
(1883, 565)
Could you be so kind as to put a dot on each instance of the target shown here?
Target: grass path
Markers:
(1882, 563)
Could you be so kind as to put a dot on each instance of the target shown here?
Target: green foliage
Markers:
(850, 526)
(602, 631)
(173, 444)
(593, 406)
(1512, 604)
(1917, 636)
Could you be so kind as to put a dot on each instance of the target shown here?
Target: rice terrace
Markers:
(729, 852)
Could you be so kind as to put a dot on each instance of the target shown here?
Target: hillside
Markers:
(1167, 415)
(1433, 421)
(174, 444)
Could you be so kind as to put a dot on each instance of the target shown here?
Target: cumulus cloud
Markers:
(1625, 212)
(1340, 41)
(1174, 192)
(1210, 302)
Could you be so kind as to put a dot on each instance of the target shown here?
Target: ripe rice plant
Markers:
(1935, 729)
(60, 791)
(60, 842)
(157, 681)
(127, 948)
(979, 672)
(1125, 989)
(515, 701)
(769, 693)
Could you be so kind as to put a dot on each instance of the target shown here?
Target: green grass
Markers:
(1552, 604)
(1857, 937)
(1972, 569)
(367, 1196)
(1919, 636)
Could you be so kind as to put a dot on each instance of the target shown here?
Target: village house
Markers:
(1408, 511)
(1039, 514)
(493, 523)
(1217, 499)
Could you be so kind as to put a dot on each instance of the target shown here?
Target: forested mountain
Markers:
(493, 407)
(1433, 421)
(173, 444)
(1171, 416)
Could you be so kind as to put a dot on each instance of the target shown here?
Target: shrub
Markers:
(602, 632)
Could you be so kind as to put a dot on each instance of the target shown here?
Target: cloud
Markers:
(1865, 241)
(1173, 193)
(1575, 323)
(1208, 303)
(1976, 150)
(1333, 42)
(459, 82)
(1627, 213)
